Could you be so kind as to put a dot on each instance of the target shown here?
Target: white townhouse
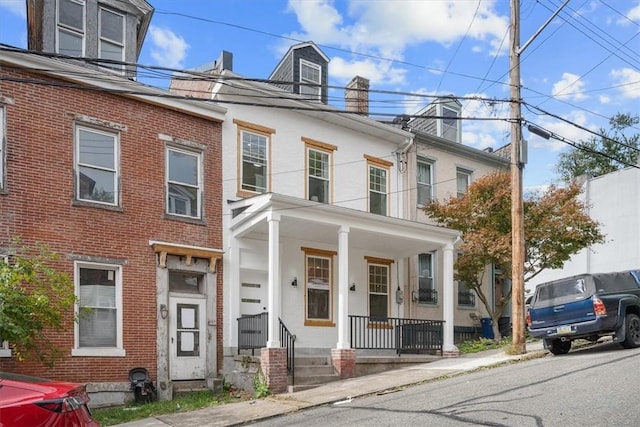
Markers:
(316, 235)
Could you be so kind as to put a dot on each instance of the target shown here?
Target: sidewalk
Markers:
(233, 414)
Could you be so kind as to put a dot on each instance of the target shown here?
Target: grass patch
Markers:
(182, 402)
(482, 344)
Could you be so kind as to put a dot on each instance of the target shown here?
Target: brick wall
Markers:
(38, 205)
(273, 362)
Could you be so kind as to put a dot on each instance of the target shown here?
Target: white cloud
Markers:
(605, 99)
(169, 50)
(634, 13)
(570, 87)
(378, 72)
(629, 81)
(17, 7)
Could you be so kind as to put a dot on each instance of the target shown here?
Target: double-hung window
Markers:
(424, 182)
(97, 166)
(427, 293)
(111, 43)
(254, 158)
(379, 275)
(319, 158)
(318, 287)
(71, 20)
(310, 73)
(99, 327)
(466, 296)
(463, 179)
(378, 179)
(184, 182)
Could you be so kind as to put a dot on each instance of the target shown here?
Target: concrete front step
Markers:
(312, 371)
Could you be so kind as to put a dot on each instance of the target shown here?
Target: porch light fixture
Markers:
(352, 288)
(164, 311)
(294, 282)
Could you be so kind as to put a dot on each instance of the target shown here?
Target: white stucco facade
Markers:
(613, 200)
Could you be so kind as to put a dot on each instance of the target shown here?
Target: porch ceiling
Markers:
(302, 219)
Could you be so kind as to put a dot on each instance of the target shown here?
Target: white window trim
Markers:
(117, 351)
(200, 185)
(318, 88)
(468, 173)
(116, 164)
(370, 190)
(440, 122)
(369, 293)
(5, 350)
(431, 177)
(101, 38)
(329, 169)
(60, 26)
(267, 161)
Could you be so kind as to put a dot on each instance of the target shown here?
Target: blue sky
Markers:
(584, 67)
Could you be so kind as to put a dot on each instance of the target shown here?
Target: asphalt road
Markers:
(594, 386)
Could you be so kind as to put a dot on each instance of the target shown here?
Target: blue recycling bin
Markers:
(487, 328)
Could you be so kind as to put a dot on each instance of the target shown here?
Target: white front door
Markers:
(187, 340)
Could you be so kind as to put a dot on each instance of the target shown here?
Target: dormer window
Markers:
(450, 128)
(310, 73)
(71, 34)
(111, 37)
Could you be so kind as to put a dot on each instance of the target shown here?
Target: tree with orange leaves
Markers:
(556, 226)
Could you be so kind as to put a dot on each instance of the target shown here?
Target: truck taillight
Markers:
(598, 307)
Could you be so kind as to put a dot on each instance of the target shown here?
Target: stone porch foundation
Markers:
(273, 362)
(344, 361)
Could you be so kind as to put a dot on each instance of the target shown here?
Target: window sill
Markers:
(5, 353)
(196, 221)
(98, 352)
(88, 204)
(325, 323)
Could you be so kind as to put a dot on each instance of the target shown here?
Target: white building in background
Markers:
(614, 201)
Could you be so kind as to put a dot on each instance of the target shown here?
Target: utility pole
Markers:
(518, 255)
(517, 209)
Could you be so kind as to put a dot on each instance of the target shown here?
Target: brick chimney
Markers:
(356, 95)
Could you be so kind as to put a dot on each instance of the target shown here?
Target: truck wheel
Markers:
(632, 331)
(559, 347)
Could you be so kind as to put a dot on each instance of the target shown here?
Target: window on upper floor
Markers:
(427, 294)
(319, 169)
(379, 274)
(71, 18)
(184, 182)
(254, 153)
(424, 181)
(378, 182)
(319, 287)
(310, 73)
(450, 124)
(99, 326)
(112, 37)
(97, 166)
(463, 179)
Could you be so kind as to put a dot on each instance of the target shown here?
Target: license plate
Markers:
(564, 330)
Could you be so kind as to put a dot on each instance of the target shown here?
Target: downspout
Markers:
(402, 158)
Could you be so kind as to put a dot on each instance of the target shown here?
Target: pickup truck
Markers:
(586, 306)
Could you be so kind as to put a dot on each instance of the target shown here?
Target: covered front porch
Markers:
(332, 280)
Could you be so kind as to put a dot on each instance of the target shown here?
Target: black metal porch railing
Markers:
(394, 333)
(252, 332)
(289, 341)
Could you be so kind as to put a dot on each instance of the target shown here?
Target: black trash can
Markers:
(487, 328)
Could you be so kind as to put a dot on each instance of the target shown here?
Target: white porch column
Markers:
(232, 289)
(274, 280)
(343, 288)
(448, 303)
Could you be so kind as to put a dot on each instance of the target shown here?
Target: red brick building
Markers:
(125, 184)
